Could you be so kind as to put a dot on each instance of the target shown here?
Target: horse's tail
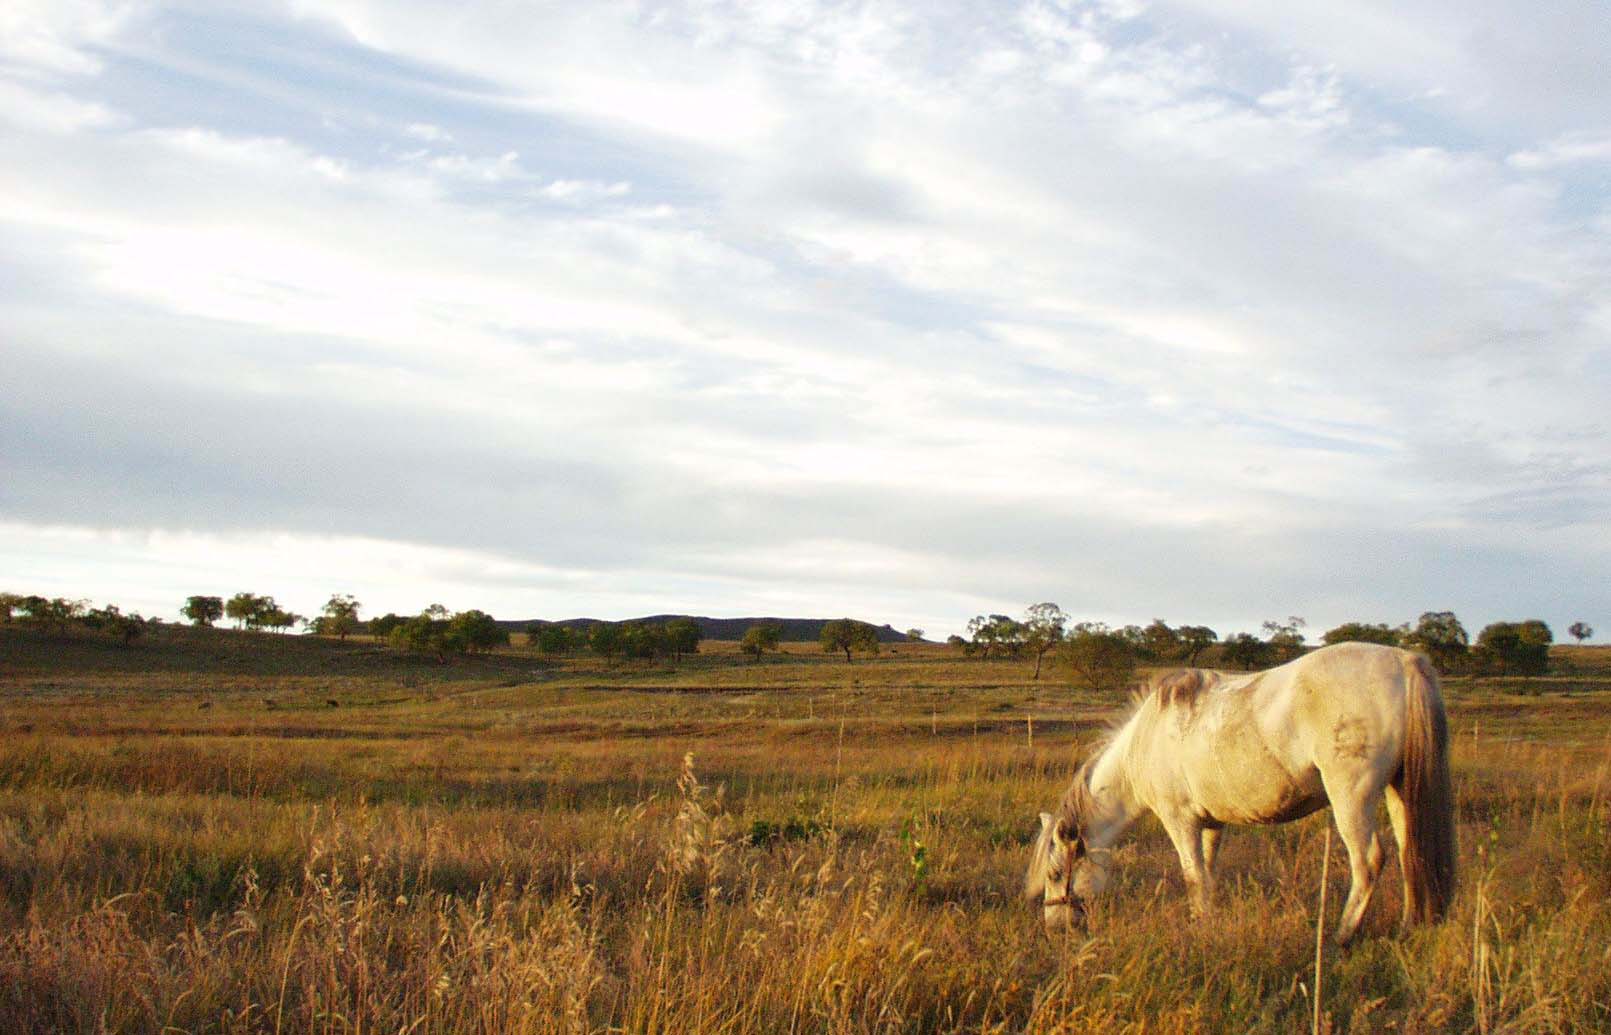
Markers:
(1427, 853)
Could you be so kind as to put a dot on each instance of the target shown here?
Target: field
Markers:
(231, 832)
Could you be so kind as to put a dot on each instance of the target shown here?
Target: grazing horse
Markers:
(1340, 726)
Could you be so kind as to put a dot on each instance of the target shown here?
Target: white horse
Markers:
(1340, 726)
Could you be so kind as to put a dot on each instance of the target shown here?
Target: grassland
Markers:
(243, 833)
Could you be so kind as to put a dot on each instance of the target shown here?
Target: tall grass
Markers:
(832, 857)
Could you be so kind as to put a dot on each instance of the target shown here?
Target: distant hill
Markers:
(795, 630)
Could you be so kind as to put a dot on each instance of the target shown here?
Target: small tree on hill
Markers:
(1246, 651)
(1286, 638)
(278, 619)
(1194, 639)
(683, 636)
(1514, 648)
(847, 634)
(1580, 631)
(1098, 658)
(995, 635)
(1158, 642)
(422, 634)
(248, 610)
(1362, 632)
(382, 627)
(1042, 630)
(1440, 636)
(604, 639)
(203, 611)
(125, 628)
(340, 616)
(643, 640)
(759, 639)
(474, 630)
(914, 636)
(551, 639)
(54, 614)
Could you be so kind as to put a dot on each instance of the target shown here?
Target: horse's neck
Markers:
(1113, 797)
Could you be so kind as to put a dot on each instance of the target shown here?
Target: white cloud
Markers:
(41, 38)
(582, 191)
(1568, 149)
(50, 112)
(972, 306)
(427, 132)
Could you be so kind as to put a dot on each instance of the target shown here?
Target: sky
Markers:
(1198, 311)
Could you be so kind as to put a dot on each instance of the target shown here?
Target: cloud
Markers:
(1568, 149)
(823, 306)
(427, 132)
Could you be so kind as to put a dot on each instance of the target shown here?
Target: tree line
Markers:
(1095, 654)
(1099, 656)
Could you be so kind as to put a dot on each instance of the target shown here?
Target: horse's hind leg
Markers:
(1401, 833)
(1355, 815)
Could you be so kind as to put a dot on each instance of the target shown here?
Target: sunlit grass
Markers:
(505, 847)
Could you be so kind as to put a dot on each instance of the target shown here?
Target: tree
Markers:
(55, 614)
(1158, 642)
(1362, 632)
(847, 634)
(1098, 657)
(248, 609)
(1514, 648)
(382, 627)
(203, 611)
(604, 639)
(278, 619)
(474, 630)
(683, 636)
(340, 616)
(1286, 638)
(758, 639)
(1246, 651)
(551, 639)
(914, 636)
(643, 640)
(1194, 639)
(1440, 636)
(958, 643)
(995, 634)
(1580, 631)
(9, 602)
(124, 627)
(425, 633)
(1041, 630)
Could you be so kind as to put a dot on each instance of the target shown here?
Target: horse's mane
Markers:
(1180, 688)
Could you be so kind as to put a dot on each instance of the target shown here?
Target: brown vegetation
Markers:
(503, 844)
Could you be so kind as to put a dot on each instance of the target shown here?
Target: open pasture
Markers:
(245, 833)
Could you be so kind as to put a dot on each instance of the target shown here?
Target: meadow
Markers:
(213, 831)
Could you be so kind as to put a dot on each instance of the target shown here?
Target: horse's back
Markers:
(1260, 747)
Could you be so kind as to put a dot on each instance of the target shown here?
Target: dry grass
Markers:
(505, 845)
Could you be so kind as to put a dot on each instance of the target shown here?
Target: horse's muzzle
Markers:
(1063, 914)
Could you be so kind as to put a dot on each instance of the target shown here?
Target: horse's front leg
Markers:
(1187, 835)
(1210, 849)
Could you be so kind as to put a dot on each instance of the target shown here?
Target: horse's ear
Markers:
(1045, 821)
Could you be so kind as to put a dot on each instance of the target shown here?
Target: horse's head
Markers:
(1053, 873)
